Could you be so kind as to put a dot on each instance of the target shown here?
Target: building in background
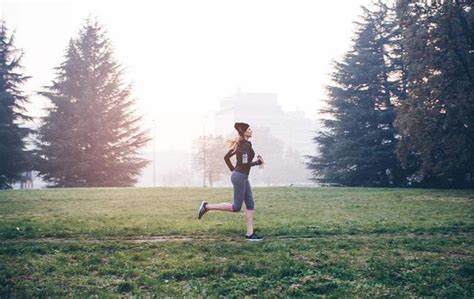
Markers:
(287, 136)
(293, 128)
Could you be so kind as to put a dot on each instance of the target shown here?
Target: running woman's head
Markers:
(244, 132)
(241, 128)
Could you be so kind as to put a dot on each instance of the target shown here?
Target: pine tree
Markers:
(357, 144)
(400, 92)
(13, 157)
(91, 136)
(437, 119)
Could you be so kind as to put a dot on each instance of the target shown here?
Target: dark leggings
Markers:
(242, 191)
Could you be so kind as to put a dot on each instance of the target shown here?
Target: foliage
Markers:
(437, 118)
(91, 136)
(208, 157)
(13, 157)
(358, 141)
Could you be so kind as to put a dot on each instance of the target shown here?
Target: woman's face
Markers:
(248, 133)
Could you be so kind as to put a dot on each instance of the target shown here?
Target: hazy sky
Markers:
(184, 56)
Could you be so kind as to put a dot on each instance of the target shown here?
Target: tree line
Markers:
(91, 134)
(400, 108)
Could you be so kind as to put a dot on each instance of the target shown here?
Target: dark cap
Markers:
(241, 127)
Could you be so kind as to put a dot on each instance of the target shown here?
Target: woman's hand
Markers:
(259, 158)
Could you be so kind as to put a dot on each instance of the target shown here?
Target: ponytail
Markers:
(234, 141)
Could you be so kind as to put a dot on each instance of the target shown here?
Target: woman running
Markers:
(242, 148)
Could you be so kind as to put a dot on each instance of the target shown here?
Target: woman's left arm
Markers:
(258, 162)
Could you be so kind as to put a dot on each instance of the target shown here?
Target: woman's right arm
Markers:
(227, 159)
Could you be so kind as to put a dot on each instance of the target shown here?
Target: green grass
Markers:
(340, 242)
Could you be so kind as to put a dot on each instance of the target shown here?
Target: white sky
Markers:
(184, 56)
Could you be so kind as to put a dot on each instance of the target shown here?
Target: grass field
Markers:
(319, 241)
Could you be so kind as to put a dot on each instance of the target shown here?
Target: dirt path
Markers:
(178, 238)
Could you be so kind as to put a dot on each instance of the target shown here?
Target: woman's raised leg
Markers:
(220, 207)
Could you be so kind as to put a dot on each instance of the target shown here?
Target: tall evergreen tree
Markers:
(13, 157)
(400, 89)
(91, 136)
(437, 119)
(357, 144)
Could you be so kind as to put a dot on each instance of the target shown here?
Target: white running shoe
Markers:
(202, 209)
